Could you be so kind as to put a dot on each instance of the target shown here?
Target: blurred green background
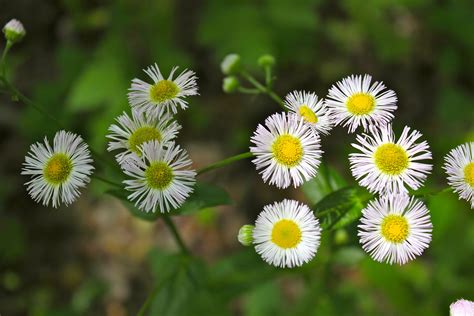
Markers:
(94, 258)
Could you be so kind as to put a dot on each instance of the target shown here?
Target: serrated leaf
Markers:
(204, 196)
(341, 207)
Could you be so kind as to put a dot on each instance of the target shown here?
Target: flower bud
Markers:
(245, 236)
(461, 307)
(231, 64)
(230, 84)
(266, 61)
(14, 31)
(341, 237)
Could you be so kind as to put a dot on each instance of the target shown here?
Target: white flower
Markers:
(314, 112)
(131, 133)
(386, 165)
(354, 102)
(461, 308)
(286, 234)
(14, 31)
(59, 171)
(286, 150)
(395, 228)
(460, 169)
(162, 93)
(160, 178)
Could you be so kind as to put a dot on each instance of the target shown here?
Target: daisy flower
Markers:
(314, 112)
(131, 132)
(160, 178)
(286, 234)
(286, 149)
(459, 166)
(395, 228)
(353, 102)
(386, 165)
(57, 172)
(162, 93)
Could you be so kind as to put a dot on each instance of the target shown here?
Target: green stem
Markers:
(268, 77)
(4, 56)
(264, 89)
(224, 162)
(174, 231)
(447, 189)
(100, 178)
(248, 91)
(15, 93)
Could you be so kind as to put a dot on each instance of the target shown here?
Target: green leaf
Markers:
(328, 180)
(341, 207)
(204, 196)
(177, 280)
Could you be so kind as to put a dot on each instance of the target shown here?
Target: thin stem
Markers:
(15, 93)
(249, 91)
(113, 183)
(4, 55)
(264, 89)
(268, 77)
(224, 162)
(177, 237)
(427, 194)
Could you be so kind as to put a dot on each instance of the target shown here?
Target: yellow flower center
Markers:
(287, 150)
(308, 114)
(159, 175)
(142, 135)
(360, 103)
(469, 174)
(286, 234)
(395, 228)
(57, 169)
(391, 159)
(163, 90)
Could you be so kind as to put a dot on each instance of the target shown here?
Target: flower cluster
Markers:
(394, 227)
(158, 170)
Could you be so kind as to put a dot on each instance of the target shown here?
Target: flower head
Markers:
(314, 112)
(162, 93)
(59, 171)
(395, 228)
(461, 308)
(160, 177)
(14, 31)
(459, 165)
(286, 149)
(354, 102)
(386, 165)
(131, 132)
(286, 234)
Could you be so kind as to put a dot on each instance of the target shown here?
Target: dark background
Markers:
(94, 258)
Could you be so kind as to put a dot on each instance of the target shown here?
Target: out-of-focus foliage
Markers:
(78, 59)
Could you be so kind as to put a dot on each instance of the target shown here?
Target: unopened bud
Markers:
(231, 64)
(245, 236)
(14, 31)
(266, 61)
(230, 84)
